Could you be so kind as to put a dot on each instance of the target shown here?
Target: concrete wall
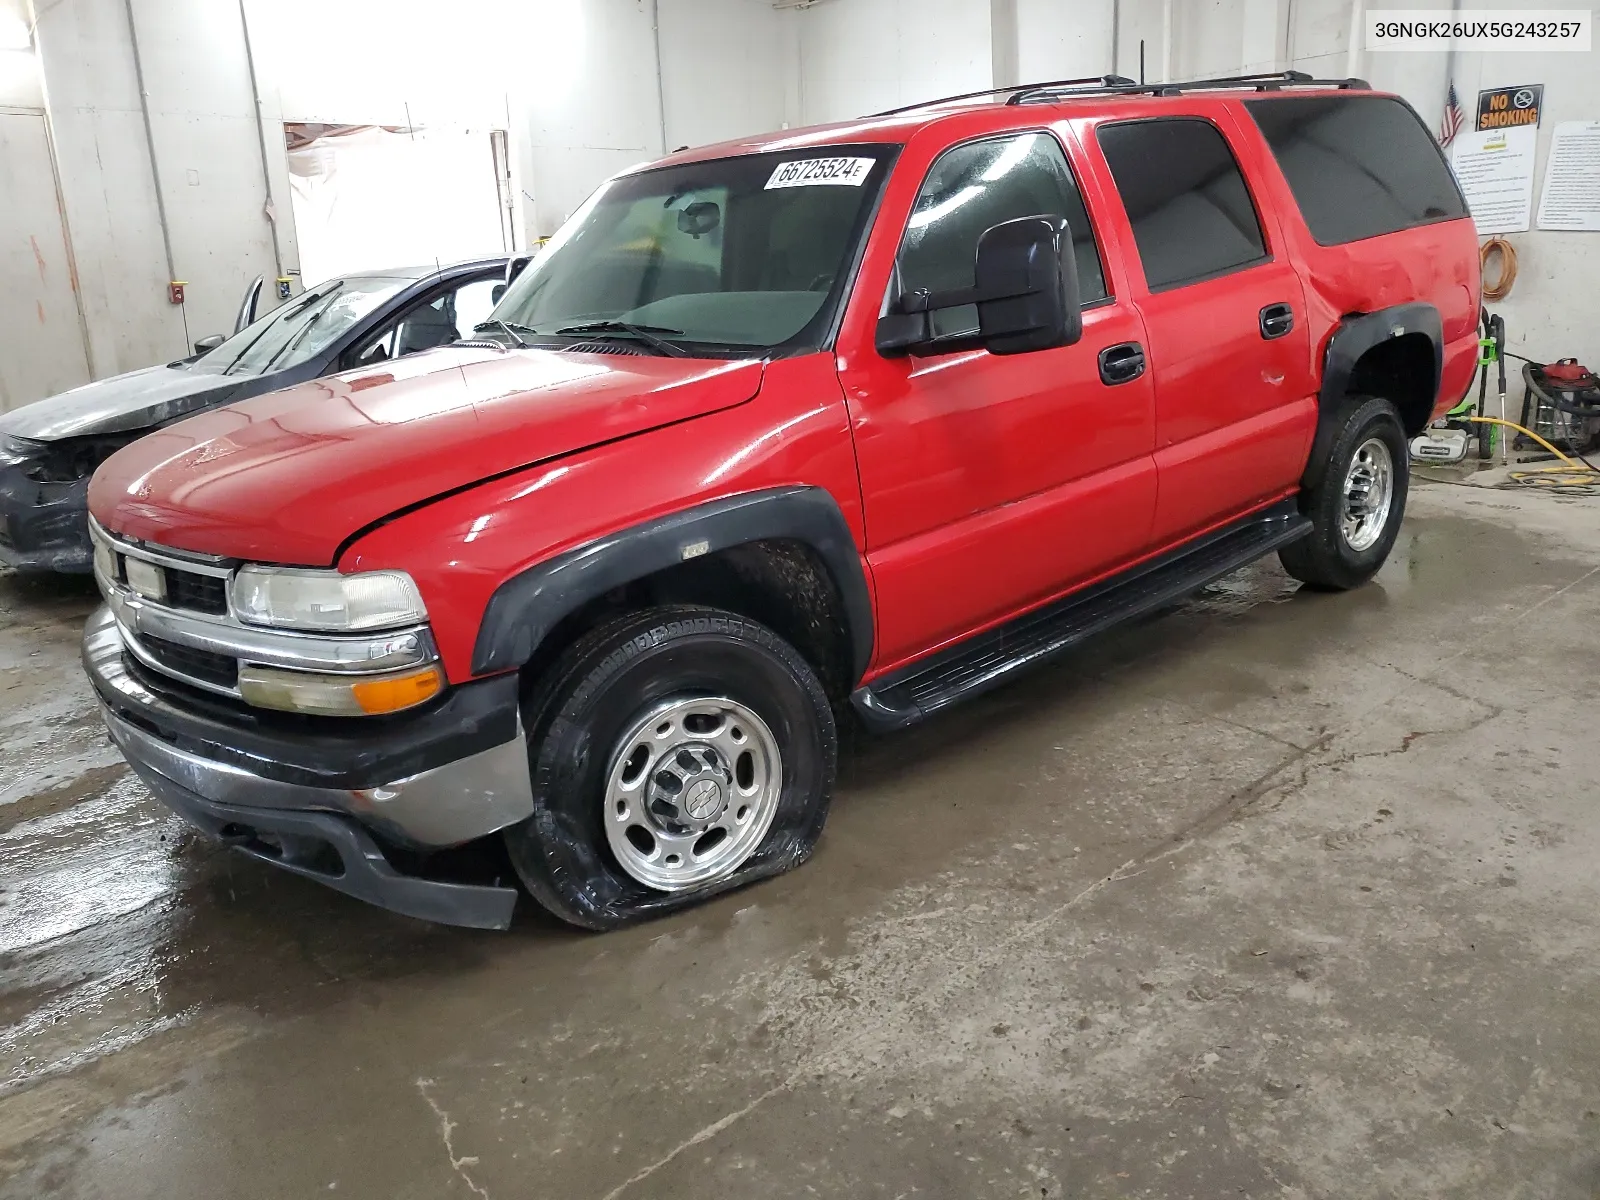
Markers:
(1063, 41)
(576, 84)
(861, 56)
(207, 151)
(573, 81)
(1552, 311)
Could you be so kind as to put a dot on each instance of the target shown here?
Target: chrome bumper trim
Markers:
(349, 654)
(444, 806)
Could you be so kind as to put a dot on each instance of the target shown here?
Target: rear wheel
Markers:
(675, 754)
(1357, 505)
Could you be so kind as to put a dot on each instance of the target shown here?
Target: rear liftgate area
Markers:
(918, 691)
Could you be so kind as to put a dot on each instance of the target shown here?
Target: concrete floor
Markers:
(1278, 895)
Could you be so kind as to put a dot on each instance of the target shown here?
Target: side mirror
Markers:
(206, 344)
(515, 266)
(247, 306)
(1025, 287)
(497, 293)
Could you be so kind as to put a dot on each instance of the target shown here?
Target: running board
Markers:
(991, 658)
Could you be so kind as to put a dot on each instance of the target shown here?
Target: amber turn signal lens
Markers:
(396, 692)
(338, 695)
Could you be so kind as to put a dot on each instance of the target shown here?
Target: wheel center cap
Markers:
(703, 799)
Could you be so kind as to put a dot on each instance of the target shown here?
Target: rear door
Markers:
(1224, 314)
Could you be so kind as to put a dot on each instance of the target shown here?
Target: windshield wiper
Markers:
(509, 327)
(295, 310)
(645, 333)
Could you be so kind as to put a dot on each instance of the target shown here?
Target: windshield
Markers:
(729, 257)
(302, 328)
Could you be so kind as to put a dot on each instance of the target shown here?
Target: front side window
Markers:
(1184, 195)
(736, 256)
(1358, 166)
(301, 329)
(437, 321)
(974, 186)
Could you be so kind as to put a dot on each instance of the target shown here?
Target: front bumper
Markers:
(322, 797)
(43, 526)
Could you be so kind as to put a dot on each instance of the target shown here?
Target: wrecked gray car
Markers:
(49, 449)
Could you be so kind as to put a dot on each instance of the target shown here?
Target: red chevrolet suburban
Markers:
(865, 417)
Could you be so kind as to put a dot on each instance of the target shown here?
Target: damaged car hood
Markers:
(123, 403)
(290, 476)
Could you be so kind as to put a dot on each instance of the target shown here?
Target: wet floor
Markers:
(1277, 895)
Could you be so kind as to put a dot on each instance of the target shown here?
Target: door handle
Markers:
(1122, 363)
(1276, 320)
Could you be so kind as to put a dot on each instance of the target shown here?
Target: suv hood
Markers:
(289, 476)
(122, 403)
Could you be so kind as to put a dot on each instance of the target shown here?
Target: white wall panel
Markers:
(861, 56)
(723, 68)
(1063, 41)
(41, 340)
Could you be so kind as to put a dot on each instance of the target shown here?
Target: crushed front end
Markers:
(43, 504)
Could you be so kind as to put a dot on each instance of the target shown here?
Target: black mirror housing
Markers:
(1025, 287)
(1029, 267)
(515, 266)
(207, 344)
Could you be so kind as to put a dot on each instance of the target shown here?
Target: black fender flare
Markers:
(1353, 338)
(525, 608)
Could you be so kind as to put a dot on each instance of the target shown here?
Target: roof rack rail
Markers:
(1100, 81)
(1121, 85)
(1270, 82)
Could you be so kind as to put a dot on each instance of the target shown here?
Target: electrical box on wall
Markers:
(283, 287)
(175, 291)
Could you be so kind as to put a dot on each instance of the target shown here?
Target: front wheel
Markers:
(675, 754)
(1357, 505)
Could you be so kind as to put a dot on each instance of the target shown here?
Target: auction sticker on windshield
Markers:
(851, 172)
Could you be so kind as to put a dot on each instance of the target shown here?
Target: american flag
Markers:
(1454, 118)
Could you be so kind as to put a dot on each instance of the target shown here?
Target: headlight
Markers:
(105, 559)
(326, 601)
(15, 450)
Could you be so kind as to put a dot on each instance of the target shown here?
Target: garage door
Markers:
(41, 339)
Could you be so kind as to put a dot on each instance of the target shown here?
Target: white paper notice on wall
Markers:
(1571, 195)
(1495, 170)
(809, 172)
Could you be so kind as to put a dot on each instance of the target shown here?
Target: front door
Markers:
(1235, 403)
(993, 483)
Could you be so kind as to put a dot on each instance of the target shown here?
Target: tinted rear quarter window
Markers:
(1191, 213)
(1359, 166)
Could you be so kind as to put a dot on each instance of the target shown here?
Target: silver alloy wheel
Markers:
(691, 792)
(1368, 494)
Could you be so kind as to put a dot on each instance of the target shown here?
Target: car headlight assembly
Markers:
(14, 450)
(326, 601)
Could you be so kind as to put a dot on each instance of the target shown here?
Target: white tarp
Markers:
(376, 199)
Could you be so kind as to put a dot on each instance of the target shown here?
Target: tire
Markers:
(606, 690)
(1327, 558)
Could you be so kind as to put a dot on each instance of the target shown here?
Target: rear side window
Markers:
(1359, 166)
(1190, 210)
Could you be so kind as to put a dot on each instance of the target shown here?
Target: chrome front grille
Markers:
(175, 618)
